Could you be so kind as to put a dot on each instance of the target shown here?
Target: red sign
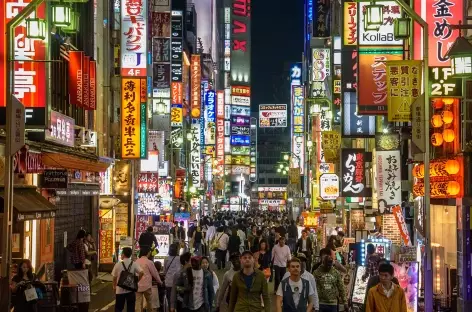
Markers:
(30, 77)
(25, 161)
(220, 141)
(195, 95)
(397, 213)
(439, 14)
(142, 222)
(86, 82)
(241, 90)
(176, 93)
(93, 85)
(76, 87)
(148, 182)
(241, 12)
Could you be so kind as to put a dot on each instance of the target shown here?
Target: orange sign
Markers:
(397, 213)
(241, 90)
(176, 93)
(195, 95)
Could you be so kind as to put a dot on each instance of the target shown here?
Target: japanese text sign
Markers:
(321, 64)
(298, 151)
(133, 118)
(329, 186)
(442, 83)
(62, 129)
(298, 109)
(240, 41)
(195, 93)
(76, 66)
(241, 90)
(350, 23)
(403, 87)
(220, 109)
(353, 182)
(273, 116)
(176, 115)
(355, 125)
(439, 14)
(373, 70)
(148, 182)
(176, 46)
(195, 156)
(210, 117)
(134, 37)
(384, 36)
(397, 213)
(388, 178)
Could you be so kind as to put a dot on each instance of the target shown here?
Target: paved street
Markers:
(103, 298)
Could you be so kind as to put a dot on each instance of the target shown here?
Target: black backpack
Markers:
(128, 280)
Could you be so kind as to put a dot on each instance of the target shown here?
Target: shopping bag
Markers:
(31, 294)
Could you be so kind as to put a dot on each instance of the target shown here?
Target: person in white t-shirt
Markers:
(222, 238)
(122, 295)
(280, 256)
(295, 293)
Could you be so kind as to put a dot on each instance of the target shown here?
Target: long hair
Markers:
(209, 267)
(20, 272)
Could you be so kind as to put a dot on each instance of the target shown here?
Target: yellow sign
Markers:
(294, 175)
(176, 115)
(241, 160)
(310, 219)
(133, 118)
(330, 142)
(350, 23)
(403, 87)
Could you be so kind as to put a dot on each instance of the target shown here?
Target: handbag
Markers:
(128, 280)
(31, 294)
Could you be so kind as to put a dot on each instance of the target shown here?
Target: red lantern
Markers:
(448, 135)
(452, 166)
(438, 104)
(437, 139)
(453, 188)
(436, 121)
(447, 117)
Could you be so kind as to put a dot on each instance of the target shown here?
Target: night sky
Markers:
(277, 40)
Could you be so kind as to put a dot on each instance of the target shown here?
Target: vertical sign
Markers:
(93, 85)
(388, 178)
(133, 118)
(298, 128)
(253, 150)
(350, 23)
(241, 41)
(220, 129)
(403, 88)
(195, 86)
(210, 117)
(76, 78)
(439, 14)
(321, 71)
(133, 38)
(176, 46)
(86, 82)
(195, 156)
(353, 183)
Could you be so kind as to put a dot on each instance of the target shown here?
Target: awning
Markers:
(30, 204)
(66, 161)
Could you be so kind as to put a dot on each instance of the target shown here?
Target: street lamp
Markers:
(74, 24)
(373, 18)
(401, 28)
(61, 14)
(286, 157)
(36, 28)
(160, 106)
(460, 54)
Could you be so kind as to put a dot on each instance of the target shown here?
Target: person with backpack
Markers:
(126, 275)
(220, 246)
(295, 294)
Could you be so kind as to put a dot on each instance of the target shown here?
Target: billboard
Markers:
(195, 156)
(321, 70)
(355, 125)
(241, 42)
(195, 86)
(373, 70)
(134, 38)
(273, 115)
(353, 183)
(210, 117)
(350, 24)
(133, 118)
(176, 46)
(384, 36)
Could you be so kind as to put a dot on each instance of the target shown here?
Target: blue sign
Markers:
(241, 140)
(355, 125)
(296, 74)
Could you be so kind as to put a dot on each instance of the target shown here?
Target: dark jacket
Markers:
(234, 243)
(183, 291)
(243, 299)
(309, 245)
(146, 239)
(288, 304)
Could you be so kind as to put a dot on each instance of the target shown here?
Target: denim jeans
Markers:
(129, 298)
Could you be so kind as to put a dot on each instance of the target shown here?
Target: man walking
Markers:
(280, 257)
(295, 294)
(222, 240)
(305, 245)
(386, 296)
(330, 286)
(145, 284)
(122, 295)
(247, 288)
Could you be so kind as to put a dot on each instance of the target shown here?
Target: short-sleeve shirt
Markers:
(118, 268)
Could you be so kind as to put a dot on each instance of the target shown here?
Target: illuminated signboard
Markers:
(240, 140)
(241, 130)
(210, 117)
(176, 46)
(383, 36)
(298, 109)
(30, 77)
(240, 110)
(195, 93)
(195, 157)
(240, 91)
(220, 141)
(353, 183)
(321, 70)
(240, 120)
(240, 150)
(61, 130)
(133, 118)
(220, 108)
(273, 116)
(298, 150)
(355, 125)
(350, 23)
(253, 162)
(441, 82)
(329, 186)
(241, 41)
(134, 38)
(439, 15)
(241, 100)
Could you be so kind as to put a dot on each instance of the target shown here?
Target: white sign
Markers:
(298, 149)
(241, 100)
(329, 186)
(133, 38)
(240, 110)
(388, 178)
(163, 245)
(271, 189)
(240, 170)
(272, 202)
(195, 156)
(61, 130)
(273, 116)
(384, 36)
(321, 64)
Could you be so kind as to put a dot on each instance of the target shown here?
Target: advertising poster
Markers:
(373, 70)
(403, 88)
(149, 204)
(407, 274)
(133, 45)
(163, 242)
(106, 237)
(353, 183)
(142, 222)
(273, 116)
(329, 186)
(384, 36)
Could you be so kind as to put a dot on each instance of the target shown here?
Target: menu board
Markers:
(106, 236)
(121, 219)
(360, 290)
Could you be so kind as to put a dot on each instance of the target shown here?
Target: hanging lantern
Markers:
(35, 28)
(452, 166)
(453, 188)
(373, 17)
(61, 14)
(418, 171)
(437, 139)
(448, 135)
(448, 101)
(447, 117)
(436, 121)
(438, 104)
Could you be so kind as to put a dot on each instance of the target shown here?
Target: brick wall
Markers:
(390, 229)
